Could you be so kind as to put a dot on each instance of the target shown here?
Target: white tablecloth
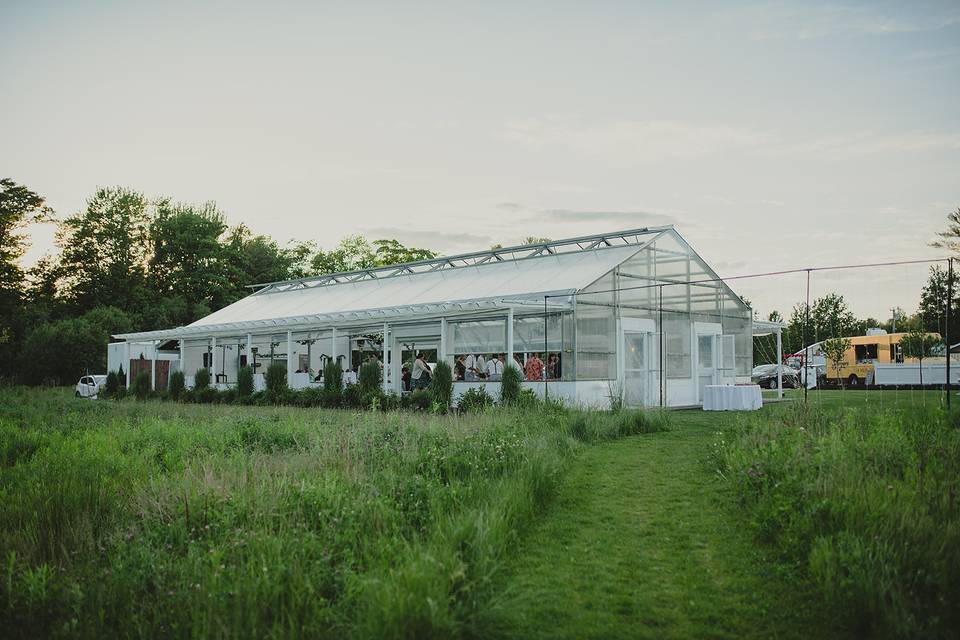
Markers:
(726, 397)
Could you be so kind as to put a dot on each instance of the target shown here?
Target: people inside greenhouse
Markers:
(420, 376)
(494, 368)
(460, 368)
(516, 362)
(534, 368)
(553, 366)
(474, 367)
(405, 378)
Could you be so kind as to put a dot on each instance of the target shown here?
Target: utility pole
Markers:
(947, 337)
(893, 320)
(806, 343)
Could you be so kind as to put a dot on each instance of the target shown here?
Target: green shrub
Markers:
(201, 380)
(111, 384)
(276, 380)
(332, 377)
(368, 378)
(245, 382)
(331, 399)
(309, 397)
(177, 385)
(641, 421)
(141, 385)
(421, 399)
(510, 385)
(474, 400)
(351, 397)
(227, 396)
(206, 395)
(390, 401)
(441, 387)
(121, 377)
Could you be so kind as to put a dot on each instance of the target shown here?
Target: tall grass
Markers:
(147, 519)
(866, 501)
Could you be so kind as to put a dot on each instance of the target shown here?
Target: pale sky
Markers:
(774, 135)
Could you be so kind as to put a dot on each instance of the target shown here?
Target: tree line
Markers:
(126, 262)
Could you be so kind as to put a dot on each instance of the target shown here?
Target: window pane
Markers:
(705, 351)
(480, 336)
(634, 354)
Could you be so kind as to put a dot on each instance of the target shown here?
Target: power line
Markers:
(765, 274)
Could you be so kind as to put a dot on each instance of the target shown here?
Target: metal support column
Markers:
(290, 368)
(386, 350)
(442, 355)
(509, 362)
(779, 363)
(333, 345)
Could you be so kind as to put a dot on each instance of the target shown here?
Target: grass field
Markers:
(143, 519)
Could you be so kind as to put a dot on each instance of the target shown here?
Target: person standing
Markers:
(534, 368)
(553, 366)
(494, 368)
(460, 368)
(420, 376)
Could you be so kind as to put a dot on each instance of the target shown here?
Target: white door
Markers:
(636, 345)
(706, 362)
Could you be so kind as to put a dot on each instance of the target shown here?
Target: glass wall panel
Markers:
(596, 329)
(676, 327)
(480, 336)
(528, 338)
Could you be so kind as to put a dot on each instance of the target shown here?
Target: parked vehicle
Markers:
(857, 366)
(90, 386)
(765, 375)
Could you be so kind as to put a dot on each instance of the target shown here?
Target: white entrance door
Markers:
(706, 362)
(635, 357)
(635, 368)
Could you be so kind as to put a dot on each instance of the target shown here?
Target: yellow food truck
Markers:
(857, 365)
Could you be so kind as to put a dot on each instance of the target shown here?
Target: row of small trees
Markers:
(366, 394)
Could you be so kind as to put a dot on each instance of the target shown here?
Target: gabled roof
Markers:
(483, 281)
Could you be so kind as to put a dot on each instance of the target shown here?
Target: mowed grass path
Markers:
(642, 542)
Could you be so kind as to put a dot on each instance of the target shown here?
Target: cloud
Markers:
(653, 140)
(629, 217)
(870, 142)
(807, 21)
(430, 239)
(634, 218)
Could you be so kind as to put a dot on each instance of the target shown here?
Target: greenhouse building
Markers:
(635, 316)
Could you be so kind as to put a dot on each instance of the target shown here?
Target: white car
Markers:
(89, 386)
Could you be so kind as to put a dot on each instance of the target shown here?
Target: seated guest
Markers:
(534, 368)
(494, 368)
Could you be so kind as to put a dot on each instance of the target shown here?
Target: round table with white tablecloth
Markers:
(732, 397)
